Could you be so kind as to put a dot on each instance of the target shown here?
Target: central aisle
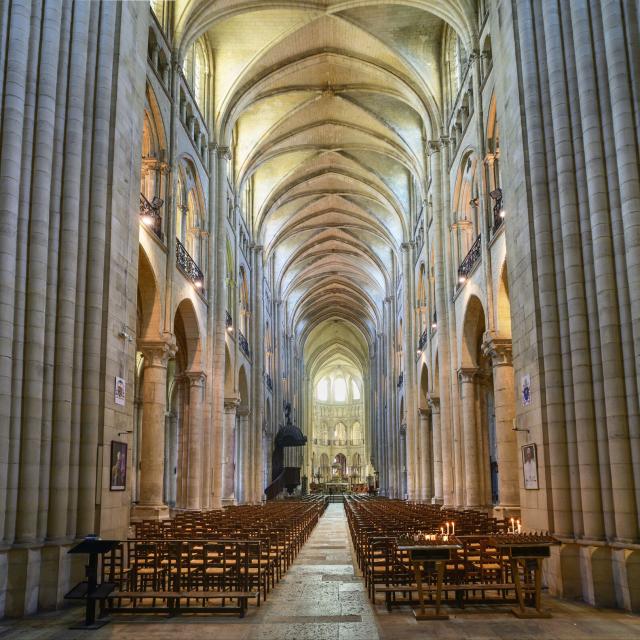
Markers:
(320, 597)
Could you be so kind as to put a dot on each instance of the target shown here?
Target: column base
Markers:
(229, 502)
(149, 512)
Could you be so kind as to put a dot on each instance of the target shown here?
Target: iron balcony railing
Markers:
(424, 336)
(268, 382)
(244, 345)
(188, 266)
(400, 380)
(470, 261)
(150, 215)
(228, 320)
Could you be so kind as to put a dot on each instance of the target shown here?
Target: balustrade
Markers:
(188, 266)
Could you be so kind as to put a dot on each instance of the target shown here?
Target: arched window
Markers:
(340, 433)
(422, 300)
(244, 304)
(230, 281)
(355, 390)
(268, 350)
(356, 434)
(322, 390)
(340, 390)
(194, 69)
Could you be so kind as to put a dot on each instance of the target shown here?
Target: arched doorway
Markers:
(425, 444)
(243, 440)
(477, 409)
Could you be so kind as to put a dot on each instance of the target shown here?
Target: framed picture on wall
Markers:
(118, 467)
(530, 466)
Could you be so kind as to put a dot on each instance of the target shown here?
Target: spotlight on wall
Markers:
(503, 213)
(198, 282)
(124, 333)
(148, 220)
(434, 325)
(419, 352)
(462, 279)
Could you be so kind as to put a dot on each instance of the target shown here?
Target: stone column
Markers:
(412, 446)
(154, 395)
(471, 449)
(426, 455)
(243, 465)
(434, 405)
(504, 405)
(195, 471)
(228, 450)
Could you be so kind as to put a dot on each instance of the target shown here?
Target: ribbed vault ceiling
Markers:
(328, 107)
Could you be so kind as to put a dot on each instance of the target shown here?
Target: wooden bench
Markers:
(175, 606)
(458, 589)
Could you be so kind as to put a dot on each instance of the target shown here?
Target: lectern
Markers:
(89, 589)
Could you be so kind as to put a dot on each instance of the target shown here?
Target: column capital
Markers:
(157, 352)
(231, 404)
(434, 146)
(467, 374)
(196, 378)
(224, 153)
(406, 246)
(424, 413)
(434, 403)
(499, 349)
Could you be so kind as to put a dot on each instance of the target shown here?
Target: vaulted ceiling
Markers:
(327, 107)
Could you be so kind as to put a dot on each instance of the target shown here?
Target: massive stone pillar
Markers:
(154, 405)
(195, 471)
(426, 455)
(436, 425)
(504, 406)
(243, 464)
(471, 449)
(228, 451)
(412, 443)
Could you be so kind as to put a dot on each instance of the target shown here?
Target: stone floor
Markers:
(322, 598)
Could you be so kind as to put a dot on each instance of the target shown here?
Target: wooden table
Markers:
(530, 555)
(439, 554)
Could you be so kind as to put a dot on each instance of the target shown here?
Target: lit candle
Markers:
(445, 538)
(453, 528)
(519, 527)
(513, 526)
(441, 531)
(447, 528)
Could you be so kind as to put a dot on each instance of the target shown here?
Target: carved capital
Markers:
(196, 378)
(157, 352)
(467, 375)
(224, 153)
(434, 403)
(498, 349)
(231, 404)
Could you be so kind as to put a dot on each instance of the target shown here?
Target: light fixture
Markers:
(434, 325)
(462, 279)
(503, 213)
(148, 219)
(230, 328)
(198, 283)
(419, 352)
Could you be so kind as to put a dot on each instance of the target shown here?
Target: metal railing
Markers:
(150, 215)
(244, 345)
(470, 261)
(228, 320)
(268, 381)
(188, 266)
(424, 336)
(400, 380)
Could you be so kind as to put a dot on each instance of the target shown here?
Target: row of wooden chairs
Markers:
(478, 570)
(232, 555)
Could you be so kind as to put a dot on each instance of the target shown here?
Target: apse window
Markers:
(322, 390)
(340, 390)
(355, 390)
